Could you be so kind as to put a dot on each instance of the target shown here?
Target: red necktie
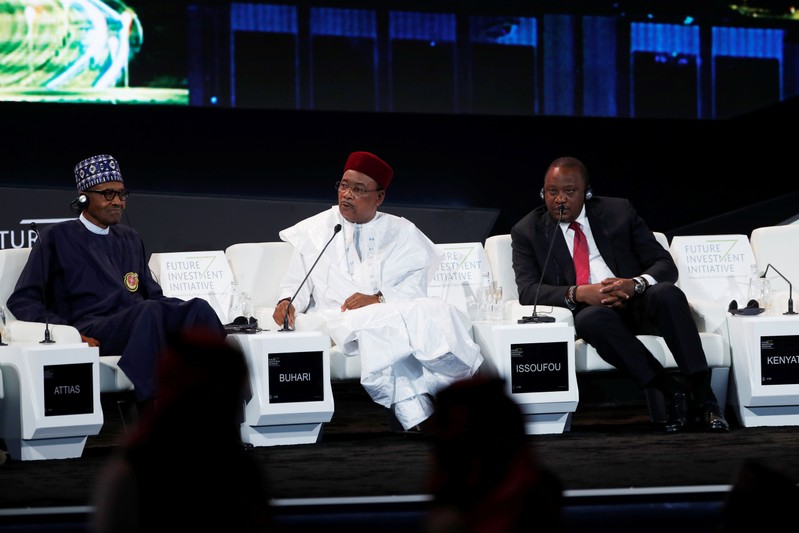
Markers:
(580, 254)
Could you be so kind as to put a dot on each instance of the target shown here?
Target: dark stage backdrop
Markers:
(678, 173)
(179, 223)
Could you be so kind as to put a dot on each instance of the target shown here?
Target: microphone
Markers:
(535, 318)
(47, 339)
(790, 289)
(286, 318)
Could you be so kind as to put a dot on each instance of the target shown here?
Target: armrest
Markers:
(709, 316)
(21, 331)
(310, 322)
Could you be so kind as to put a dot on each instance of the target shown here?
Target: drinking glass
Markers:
(495, 302)
(241, 303)
(760, 290)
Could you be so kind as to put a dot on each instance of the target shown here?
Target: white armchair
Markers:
(779, 247)
(12, 261)
(258, 268)
(499, 252)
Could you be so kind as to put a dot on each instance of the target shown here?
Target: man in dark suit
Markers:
(627, 288)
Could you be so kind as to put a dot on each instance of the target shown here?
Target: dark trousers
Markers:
(140, 333)
(662, 310)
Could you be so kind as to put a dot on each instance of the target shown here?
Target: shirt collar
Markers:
(91, 227)
(581, 219)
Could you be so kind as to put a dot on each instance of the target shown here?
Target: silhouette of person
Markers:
(184, 467)
(485, 476)
(759, 496)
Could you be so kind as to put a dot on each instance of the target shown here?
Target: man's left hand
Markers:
(359, 300)
(616, 291)
(91, 341)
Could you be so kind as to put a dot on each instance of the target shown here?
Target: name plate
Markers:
(779, 359)
(539, 367)
(296, 377)
(68, 389)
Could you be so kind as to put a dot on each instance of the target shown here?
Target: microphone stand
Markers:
(535, 318)
(286, 318)
(3, 321)
(47, 339)
(790, 289)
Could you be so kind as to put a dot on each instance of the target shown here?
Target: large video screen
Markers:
(93, 51)
(415, 56)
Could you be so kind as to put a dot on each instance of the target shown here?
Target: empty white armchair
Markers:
(777, 246)
(258, 268)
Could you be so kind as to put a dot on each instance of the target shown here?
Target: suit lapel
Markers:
(599, 231)
(561, 264)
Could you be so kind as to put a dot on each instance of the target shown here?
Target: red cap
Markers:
(372, 166)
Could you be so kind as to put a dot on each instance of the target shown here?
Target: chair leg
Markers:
(127, 413)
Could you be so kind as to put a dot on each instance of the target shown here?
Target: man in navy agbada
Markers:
(92, 274)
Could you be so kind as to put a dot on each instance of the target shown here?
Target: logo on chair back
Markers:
(68, 389)
(459, 275)
(187, 275)
(716, 268)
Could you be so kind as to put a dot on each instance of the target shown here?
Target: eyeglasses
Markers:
(358, 191)
(109, 194)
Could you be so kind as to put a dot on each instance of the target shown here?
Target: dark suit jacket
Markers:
(626, 243)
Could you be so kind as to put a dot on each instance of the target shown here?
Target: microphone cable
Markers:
(535, 318)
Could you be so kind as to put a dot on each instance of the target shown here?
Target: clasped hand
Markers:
(610, 292)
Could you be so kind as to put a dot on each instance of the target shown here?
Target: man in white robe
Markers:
(370, 287)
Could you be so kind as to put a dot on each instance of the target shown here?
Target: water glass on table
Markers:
(760, 291)
(495, 302)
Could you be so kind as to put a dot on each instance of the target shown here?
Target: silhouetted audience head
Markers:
(485, 475)
(760, 498)
(184, 466)
(201, 380)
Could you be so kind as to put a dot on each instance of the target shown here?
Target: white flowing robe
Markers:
(410, 347)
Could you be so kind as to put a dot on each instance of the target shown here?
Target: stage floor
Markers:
(612, 455)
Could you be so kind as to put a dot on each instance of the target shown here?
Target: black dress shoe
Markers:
(676, 412)
(711, 418)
